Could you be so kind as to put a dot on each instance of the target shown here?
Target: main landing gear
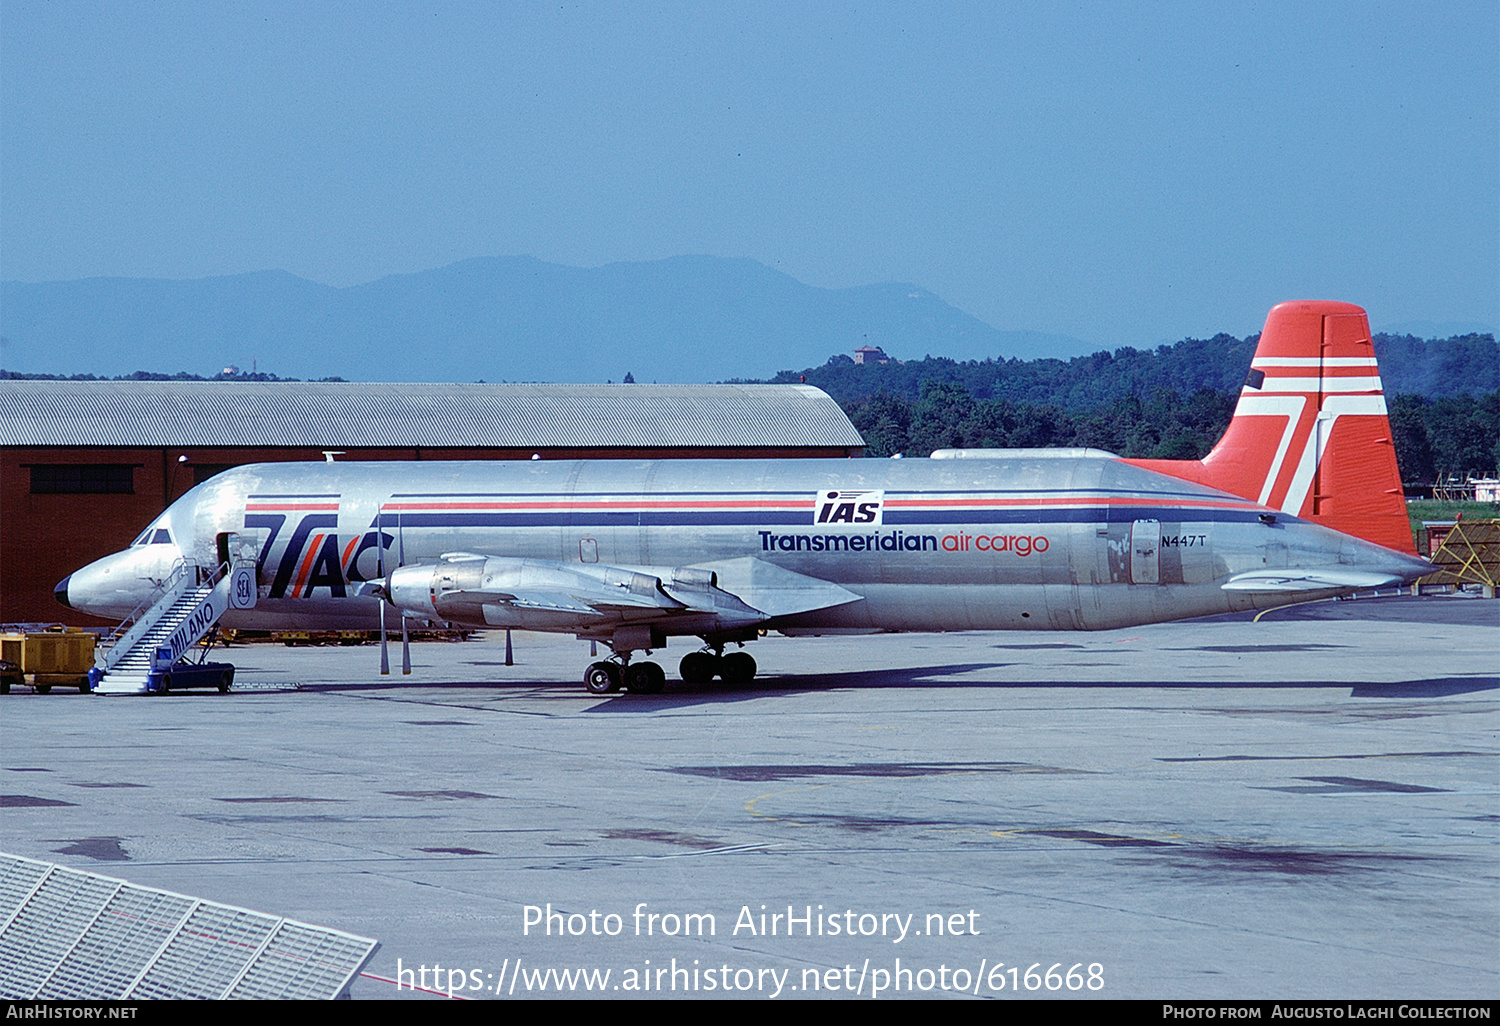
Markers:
(603, 678)
(610, 675)
(703, 666)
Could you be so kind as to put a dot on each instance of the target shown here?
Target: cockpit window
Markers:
(153, 536)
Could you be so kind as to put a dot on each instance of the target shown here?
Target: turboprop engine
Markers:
(594, 600)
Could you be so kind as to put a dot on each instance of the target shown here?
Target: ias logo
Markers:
(849, 507)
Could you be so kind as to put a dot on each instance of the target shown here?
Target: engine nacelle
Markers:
(456, 589)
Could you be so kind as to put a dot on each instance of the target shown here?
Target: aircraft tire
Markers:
(737, 668)
(646, 679)
(601, 678)
(697, 667)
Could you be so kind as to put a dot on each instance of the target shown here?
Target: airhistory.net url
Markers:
(517, 977)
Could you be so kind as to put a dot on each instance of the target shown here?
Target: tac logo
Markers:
(302, 550)
(849, 507)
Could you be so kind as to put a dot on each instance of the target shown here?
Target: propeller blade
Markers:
(405, 647)
(401, 561)
(385, 658)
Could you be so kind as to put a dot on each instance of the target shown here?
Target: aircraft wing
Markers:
(775, 591)
(1278, 582)
(546, 595)
(557, 602)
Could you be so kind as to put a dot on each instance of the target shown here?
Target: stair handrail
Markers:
(185, 575)
(179, 568)
(215, 578)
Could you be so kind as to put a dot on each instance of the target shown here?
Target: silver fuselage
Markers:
(1029, 542)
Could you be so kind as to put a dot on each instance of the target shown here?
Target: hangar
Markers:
(84, 465)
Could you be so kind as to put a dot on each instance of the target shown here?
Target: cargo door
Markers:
(1145, 552)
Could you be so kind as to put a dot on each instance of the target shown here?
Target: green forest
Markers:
(1172, 402)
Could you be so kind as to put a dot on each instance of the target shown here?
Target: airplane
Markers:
(1300, 499)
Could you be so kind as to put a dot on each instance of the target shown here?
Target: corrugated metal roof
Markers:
(333, 414)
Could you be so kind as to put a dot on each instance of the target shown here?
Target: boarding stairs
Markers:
(192, 601)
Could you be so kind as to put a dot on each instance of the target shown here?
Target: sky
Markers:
(1125, 173)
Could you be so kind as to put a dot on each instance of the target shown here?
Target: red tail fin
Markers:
(1310, 436)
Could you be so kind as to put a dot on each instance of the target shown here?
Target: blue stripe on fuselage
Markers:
(893, 518)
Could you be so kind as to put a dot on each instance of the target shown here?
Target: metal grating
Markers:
(18, 879)
(296, 957)
(65, 933)
(129, 932)
(47, 926)
(207, 955)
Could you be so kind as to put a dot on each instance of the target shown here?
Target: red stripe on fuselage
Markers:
(312, 552)
(291, 507)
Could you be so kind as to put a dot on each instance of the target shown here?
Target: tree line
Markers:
(1434, 438)
(1438, 368)
(1173, 402)
(8, 375)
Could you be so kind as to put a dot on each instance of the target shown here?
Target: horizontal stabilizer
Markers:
(1279, 582)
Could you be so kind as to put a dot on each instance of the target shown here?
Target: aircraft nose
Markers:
(113, 586)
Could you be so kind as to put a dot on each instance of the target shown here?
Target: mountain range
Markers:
(682, 319)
